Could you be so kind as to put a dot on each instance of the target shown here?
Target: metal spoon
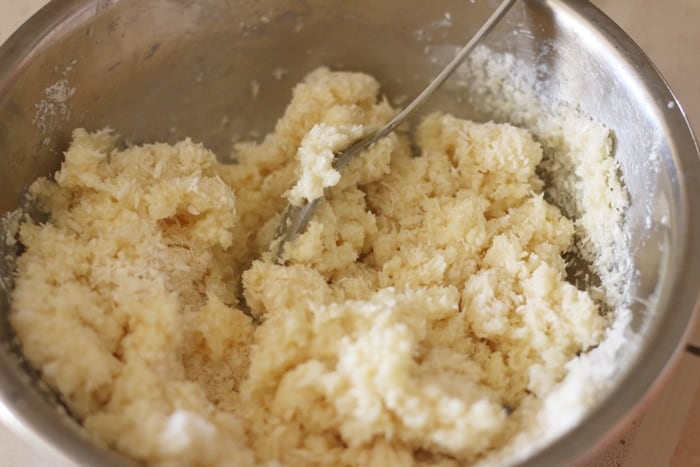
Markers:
(296, 218)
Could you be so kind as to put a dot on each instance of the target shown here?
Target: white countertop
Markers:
(669, 32)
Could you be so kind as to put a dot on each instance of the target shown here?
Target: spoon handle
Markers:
(296, 218)
(345, 156)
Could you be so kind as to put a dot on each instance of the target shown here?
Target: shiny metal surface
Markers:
(296, 218)
(159, 70)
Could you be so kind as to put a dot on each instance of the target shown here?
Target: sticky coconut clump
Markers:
(423, 318)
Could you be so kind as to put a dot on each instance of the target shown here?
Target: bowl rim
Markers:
(653, 366)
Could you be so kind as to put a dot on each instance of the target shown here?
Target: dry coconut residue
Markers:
(424, 318)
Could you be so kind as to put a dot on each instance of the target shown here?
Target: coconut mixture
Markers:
(424, 318)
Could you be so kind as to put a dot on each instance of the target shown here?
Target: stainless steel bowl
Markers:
(165, 69)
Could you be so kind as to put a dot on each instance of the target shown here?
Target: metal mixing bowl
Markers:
(165, 69)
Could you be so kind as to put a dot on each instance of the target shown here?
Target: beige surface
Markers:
(668, 32)
(668, 432)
